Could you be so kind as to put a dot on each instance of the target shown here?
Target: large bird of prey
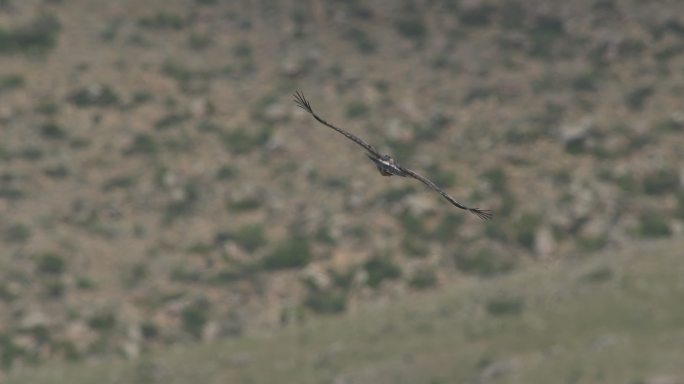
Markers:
(386, 163)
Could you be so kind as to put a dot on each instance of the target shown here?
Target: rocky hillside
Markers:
(159, 186)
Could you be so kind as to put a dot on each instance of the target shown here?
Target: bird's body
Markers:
(386, 164)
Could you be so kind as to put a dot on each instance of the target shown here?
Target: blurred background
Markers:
(167, 214)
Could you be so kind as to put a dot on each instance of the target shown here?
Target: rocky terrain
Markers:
(158, 186)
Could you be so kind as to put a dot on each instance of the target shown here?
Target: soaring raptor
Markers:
(386, 163)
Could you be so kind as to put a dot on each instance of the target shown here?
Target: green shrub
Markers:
(414, 246)
(447, 228)
(38, 36)
(103, 321)
(423, 279)
(30, 153)
(53, 131)
(525, 228)
(412, 224)
(57, 171)
(593, 243)
(442, 177)
(654, 225)
(393, 195)
(171, 120)
(9, 351)
(324, 236)
(185, 274)
(512, 15)
(495, 230)
(94, 96)
(17, 233)
(484, 262)
(477, 16)
(661, 182)
(361, 40)
(412, 28)
(292, 253)
(505, 306)
(586, 81)
(342, 279)
(497, 179)
(51, 264)
(380, 269)
(183, 207)
(250, 237)
(357, 108)
(85, 283)
(241, 141)
(118, 182)
(111, 30)
(248, 203)
(680, 206)
(199, 41)
(326, 302)
(47, 107)
(195, 317)
(243, 50)
(597, 275)
(55, 289)
(143, 144)
(226, 172)
(137, 274)
(669, 124)
(11, 82)
(177, 72)
(163, 20)
(149, 330)
(544, 34)
(636, 98)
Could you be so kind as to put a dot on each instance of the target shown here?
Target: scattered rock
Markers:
(397, 130)
(276, 112)
(420, 204)
(497, 369)
(665, 380)
(316, 275)
(544, 242)
(80, 334)
(34, 318)
(211, 331)
(131, 349)
(575, 137)
(200, 107)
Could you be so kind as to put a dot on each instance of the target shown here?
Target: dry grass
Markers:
(613, 318)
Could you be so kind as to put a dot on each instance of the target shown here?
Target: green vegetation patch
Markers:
(38, 36)
(294, 252)
(380, 269)
(485, 262)
(94, 96)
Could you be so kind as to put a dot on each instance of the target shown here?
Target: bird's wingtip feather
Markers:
(483, 214)
(302, 102)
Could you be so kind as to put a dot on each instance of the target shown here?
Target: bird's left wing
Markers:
(483, 214)
(304, 104)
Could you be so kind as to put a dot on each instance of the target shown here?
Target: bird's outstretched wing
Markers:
(483, 214)
(304, 104)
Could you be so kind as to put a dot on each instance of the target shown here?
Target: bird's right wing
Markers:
(483, 214)
(304, 104)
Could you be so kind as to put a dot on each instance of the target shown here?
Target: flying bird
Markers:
(386, 164)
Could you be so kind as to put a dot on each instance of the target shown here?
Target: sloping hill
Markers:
(613, 318)
(158, 186)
